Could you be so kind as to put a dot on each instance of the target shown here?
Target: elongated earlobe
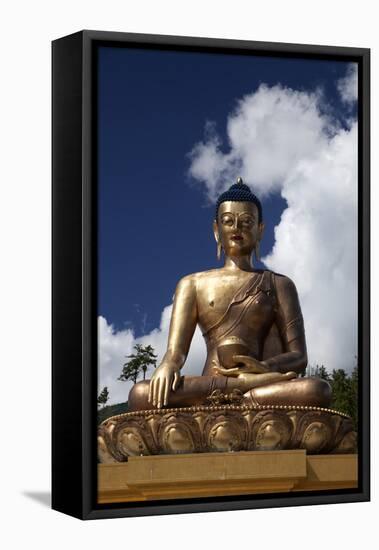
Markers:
(219, 249)
(257, 252)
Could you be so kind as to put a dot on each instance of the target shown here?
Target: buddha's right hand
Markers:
(165, 378)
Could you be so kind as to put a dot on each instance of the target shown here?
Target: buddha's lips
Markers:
(237, 238)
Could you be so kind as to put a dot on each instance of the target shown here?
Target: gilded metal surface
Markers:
(225, 428)
(252, 324)
(218, 398)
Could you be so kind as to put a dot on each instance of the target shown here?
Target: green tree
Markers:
(340, 390)
(138, 362)
(345, 393)
(344, 389)
(353, 396)
(103, 397)
(321, 372)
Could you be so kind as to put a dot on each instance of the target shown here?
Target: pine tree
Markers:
(353, 396)
(321, 372)
(103, 397)
(340, 391)
(344, 390)
(139, 362)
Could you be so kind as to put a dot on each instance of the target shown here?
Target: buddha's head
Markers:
(238, 225)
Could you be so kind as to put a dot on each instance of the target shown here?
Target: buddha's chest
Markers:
(222, 297)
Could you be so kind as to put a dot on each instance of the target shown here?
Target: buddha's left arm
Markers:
(291, 327)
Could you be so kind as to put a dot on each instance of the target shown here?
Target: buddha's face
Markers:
(238, 228)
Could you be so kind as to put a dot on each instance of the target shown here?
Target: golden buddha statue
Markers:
(251, 321)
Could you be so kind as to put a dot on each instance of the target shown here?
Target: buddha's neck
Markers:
(241, 263)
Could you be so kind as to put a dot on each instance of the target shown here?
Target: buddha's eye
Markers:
(247, 222)
(227, 220)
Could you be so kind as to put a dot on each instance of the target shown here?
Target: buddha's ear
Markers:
(215, 231)
(261, 228)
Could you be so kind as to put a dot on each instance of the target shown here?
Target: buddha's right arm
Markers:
(182, 326)
(183, 322)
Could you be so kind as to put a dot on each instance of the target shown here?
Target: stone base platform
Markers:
(145, 478)
(224, 428)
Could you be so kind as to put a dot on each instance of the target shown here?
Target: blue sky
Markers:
(154, 219)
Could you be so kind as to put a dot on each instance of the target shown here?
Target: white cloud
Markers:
(348, 86)
(316, 245)
(282, 140)
(115, 345)
(269, 132)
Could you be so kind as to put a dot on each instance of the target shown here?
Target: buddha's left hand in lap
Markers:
(252, 373)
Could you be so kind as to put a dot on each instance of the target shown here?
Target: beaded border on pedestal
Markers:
(213, 408)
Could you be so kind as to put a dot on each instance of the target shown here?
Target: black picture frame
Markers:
(74, 332)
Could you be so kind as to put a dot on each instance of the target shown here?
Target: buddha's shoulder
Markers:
(201, 278)
(283, 282)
